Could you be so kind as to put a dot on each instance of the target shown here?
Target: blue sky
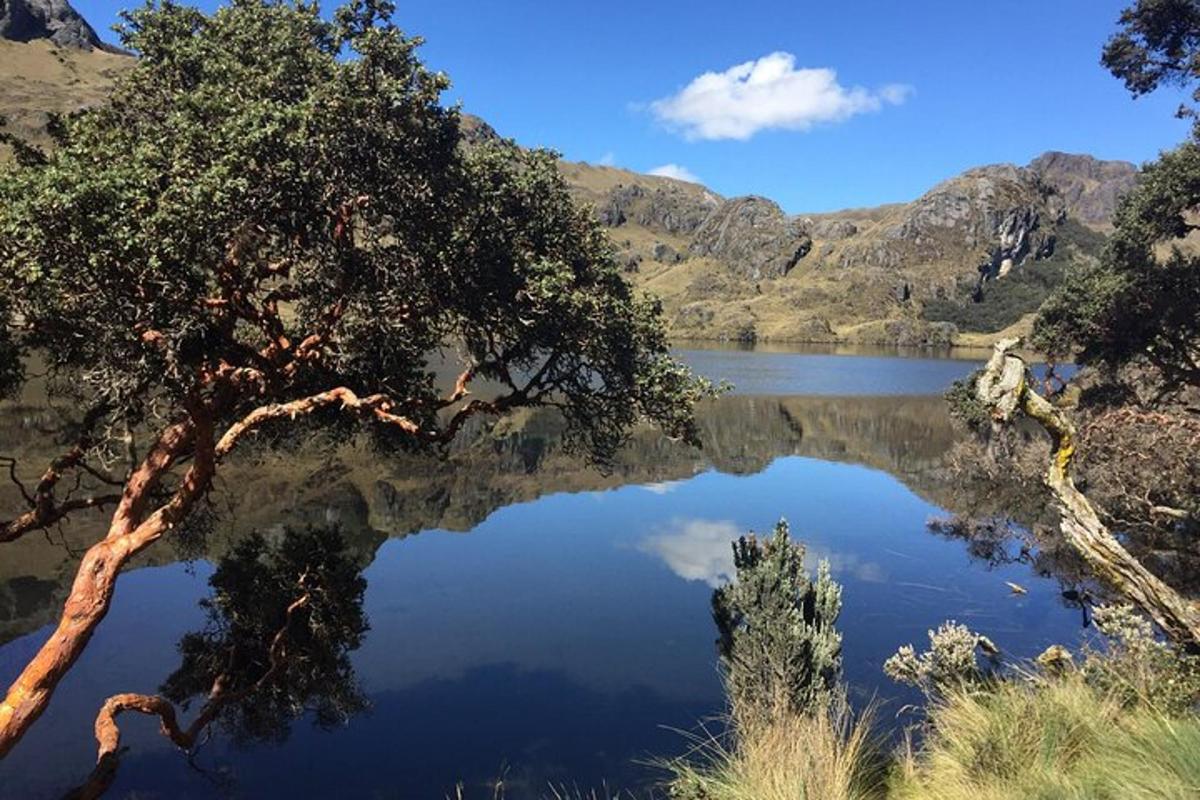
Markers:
(818, 105)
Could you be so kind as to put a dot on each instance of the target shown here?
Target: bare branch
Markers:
(1005, 387)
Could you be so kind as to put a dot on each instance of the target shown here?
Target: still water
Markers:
(535, 621)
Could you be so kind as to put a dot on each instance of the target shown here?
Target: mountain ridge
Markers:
(964, 263)
(743, 269)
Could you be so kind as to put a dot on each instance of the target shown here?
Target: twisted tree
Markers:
(272, 224)
(1005, 387)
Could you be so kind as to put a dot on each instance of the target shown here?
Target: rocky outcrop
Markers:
(831, 228)
(1091, 188)
(474, 130)
(1003, 212)
(753, 237)
(667, 207)
(56, 20)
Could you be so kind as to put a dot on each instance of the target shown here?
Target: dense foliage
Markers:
(253, 205)
(1143, 298)
(1137, 301)
(1158, 43)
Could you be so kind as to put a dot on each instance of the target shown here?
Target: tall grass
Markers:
(826, 755)
(1051, 740)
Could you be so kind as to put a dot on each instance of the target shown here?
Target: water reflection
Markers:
(516, 460)
(702, 550)
(561, 640)
(697, 549)
(283, 616)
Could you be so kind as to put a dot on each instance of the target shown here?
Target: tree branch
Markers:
(1005, 388)
(378, 406)
(45, 510)
(108, 733)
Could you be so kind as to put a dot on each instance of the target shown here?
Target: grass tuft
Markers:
(828, 755)
(1052, 739)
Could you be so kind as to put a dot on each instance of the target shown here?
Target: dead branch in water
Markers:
(1005, 388)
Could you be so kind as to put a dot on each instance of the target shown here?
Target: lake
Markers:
(531, 619)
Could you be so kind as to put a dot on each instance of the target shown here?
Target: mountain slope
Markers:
(977, 253)
(38, 78)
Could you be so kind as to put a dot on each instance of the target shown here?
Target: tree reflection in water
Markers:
(284, 615)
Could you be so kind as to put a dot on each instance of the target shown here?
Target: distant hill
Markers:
(971, 258)
(976, 253)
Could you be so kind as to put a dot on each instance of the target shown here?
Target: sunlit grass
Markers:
(1049, 739)
(828, 755)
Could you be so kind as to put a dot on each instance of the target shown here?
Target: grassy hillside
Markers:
(38, 78)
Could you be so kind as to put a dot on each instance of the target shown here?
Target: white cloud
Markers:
(675, 171)
(662, 487)
(609, 159)
(769, 93)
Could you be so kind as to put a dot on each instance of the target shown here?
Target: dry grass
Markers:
(37, 78)
(824, 756)
(1051, 739)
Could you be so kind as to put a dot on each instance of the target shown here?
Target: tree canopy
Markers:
(254, 210)
(1158, 43)
(274, 220)
(1142, 300)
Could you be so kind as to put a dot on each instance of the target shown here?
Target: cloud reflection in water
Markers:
(701, 550)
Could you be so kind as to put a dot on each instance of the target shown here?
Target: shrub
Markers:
(950, 664)
(1136, 668)
(779, 648)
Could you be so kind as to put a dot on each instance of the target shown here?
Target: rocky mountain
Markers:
(970, 259)
(976, 253)
(1088, 186)
(52, 20)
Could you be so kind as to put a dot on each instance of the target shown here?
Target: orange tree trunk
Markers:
(92, 591)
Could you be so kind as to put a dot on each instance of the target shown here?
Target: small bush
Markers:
(1137, 669)
(965, 406)
(780, 650)
(951, 663)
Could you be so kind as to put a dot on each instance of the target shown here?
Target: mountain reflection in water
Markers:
(564, 638)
